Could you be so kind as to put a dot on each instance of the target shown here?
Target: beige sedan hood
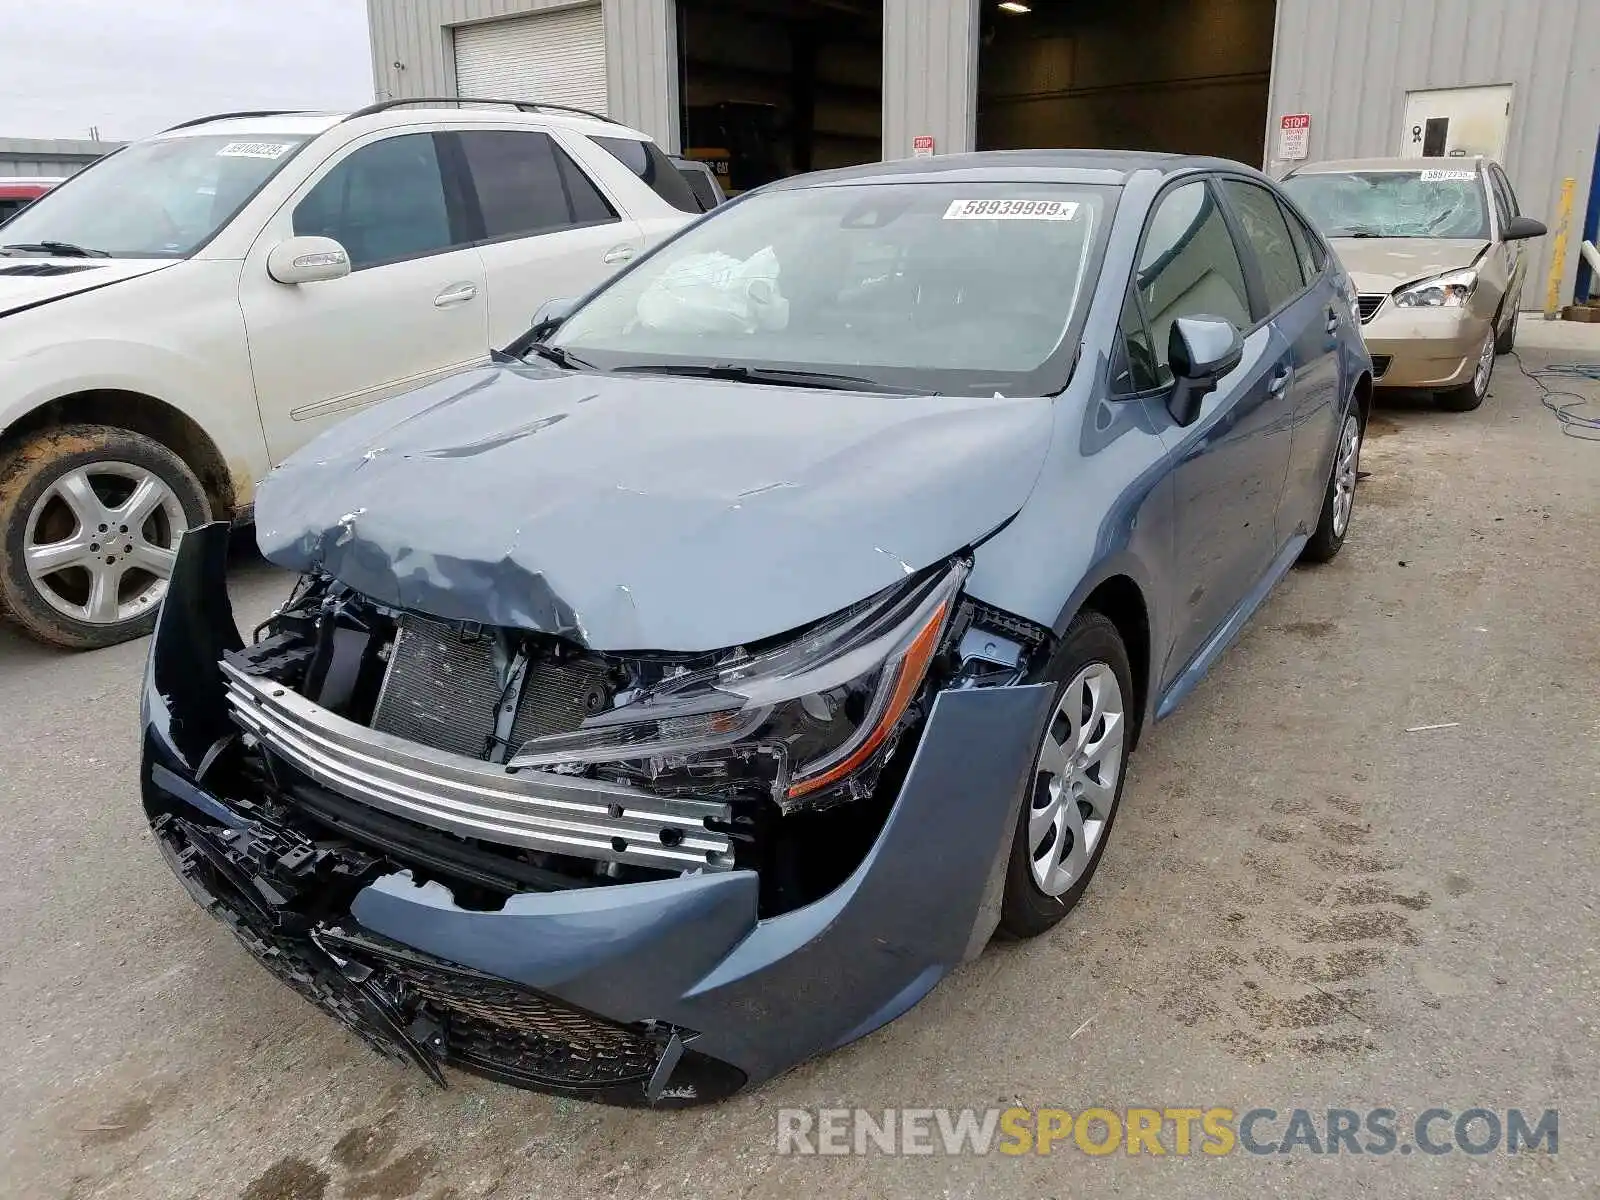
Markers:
(1383, 264)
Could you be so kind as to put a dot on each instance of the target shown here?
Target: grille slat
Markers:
(1369, 306)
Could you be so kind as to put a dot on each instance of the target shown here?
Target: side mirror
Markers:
(308, 260)
(549, 317)
(1522, 227)
(1201, 350)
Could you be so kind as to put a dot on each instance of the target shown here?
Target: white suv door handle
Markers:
(617, 254)
(456, 293)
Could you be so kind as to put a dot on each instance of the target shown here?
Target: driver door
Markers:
(413, 309)
(1228, 467)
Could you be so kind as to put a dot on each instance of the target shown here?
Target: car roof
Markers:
(312, 123)
(1459, 163)
(1017, 166)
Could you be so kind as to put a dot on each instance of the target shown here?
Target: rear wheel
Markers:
(1066, 818)
(1339, 502)
(1472, 393)
(90, 518)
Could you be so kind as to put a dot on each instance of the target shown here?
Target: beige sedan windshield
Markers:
(1393, 204)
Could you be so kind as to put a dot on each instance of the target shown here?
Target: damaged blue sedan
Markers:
(686, 692)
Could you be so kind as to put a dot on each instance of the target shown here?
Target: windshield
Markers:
(1398, 204)
(157, 199)
(931, 287)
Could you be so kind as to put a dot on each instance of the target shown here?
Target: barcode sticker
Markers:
(1438, 176)
(1011, 210)
(254, 149)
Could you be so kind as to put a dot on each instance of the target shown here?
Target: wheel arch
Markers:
(143, 414)
(1121, 601)
(1363, 394)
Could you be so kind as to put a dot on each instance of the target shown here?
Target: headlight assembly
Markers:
(801, 719)
(1450, 290)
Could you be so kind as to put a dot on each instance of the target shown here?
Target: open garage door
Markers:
(1188, 76)
(557, 57)
(775, 87)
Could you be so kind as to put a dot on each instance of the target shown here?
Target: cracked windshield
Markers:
(1393, 204)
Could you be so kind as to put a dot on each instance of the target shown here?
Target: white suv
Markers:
(183, 314)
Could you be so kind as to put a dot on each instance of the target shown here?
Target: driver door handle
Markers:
(1278, 383)
(618, 254)
(1333, 319)
(456, 293)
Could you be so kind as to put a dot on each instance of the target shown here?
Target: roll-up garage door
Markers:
(557, 57)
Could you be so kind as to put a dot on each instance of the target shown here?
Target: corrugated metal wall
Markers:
(930, 74)
(642, 77)
(1350, 64)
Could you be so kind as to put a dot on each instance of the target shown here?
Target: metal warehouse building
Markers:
(767, 87)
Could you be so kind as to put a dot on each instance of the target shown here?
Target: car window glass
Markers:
(654, 168)
(700, 184)
(527, 185)
(1267, 234)
(1304, 248)
(1189, 266)
(382, 203)
(1133, 366)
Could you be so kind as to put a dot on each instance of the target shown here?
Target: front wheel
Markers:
(1339, 501)
(1472, 393)
(1077, 779)
(90, 518)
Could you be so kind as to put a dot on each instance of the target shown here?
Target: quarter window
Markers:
(1189, 267)
(654, 168)
(527, 185)
(383, 203)
(1262, 224)
(1133, 368)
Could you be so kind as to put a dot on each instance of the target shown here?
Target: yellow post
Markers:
(1558, 252)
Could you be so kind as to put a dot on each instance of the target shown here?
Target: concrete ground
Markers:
(1306, 904)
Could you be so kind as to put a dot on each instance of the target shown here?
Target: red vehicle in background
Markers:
(17, 193)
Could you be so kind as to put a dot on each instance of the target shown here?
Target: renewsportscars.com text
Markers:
(1213, 1131)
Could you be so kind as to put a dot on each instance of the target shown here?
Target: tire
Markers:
(1092, 650)
(1472, 393)
(1506, 342)
(1339, 498)
(49, 484)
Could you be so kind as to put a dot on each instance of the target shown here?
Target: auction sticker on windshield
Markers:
(254, 150)
(1011, 210)
(1442, 176)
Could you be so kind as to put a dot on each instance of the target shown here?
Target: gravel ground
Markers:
(1305, 905)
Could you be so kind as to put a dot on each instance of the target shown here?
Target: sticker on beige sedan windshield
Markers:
(1011, 210)
(1437, 176)
(254, 149)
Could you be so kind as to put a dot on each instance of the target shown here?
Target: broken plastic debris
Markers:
(1426, 728)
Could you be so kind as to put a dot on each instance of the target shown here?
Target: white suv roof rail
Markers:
(264, 112)
(529, 106)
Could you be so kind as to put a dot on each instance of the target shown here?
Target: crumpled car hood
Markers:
(641, 512)
(1383, 264)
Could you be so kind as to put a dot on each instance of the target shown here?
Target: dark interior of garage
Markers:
(1177, 75)
(775, 87)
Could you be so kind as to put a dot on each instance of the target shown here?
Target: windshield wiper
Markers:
(562, 358)
(1361, 231)
(779, 375)
(59, 249)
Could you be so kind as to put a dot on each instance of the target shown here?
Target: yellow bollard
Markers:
(1558, 254)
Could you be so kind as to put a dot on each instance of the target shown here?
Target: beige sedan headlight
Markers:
(1450, 290)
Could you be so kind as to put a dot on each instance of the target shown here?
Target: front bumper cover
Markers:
(670, 992)
(1425, 348)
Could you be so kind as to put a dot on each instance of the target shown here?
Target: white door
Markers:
(558, 57)
(412, 310)
(550, 231)
(1457, 122)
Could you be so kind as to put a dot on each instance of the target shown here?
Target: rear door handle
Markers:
(1279, 381)
(456, 293)
(618, 254)
(1333, 319)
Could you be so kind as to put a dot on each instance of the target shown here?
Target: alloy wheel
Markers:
(1344, 474)
(100, 542)
(1075, 781)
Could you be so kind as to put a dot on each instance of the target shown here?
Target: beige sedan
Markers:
(1435, 249)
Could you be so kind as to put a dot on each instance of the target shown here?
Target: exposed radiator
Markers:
(443, 686)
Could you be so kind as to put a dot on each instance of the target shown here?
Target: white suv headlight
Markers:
(1450, 290)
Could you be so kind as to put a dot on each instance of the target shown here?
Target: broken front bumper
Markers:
(667, 992)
